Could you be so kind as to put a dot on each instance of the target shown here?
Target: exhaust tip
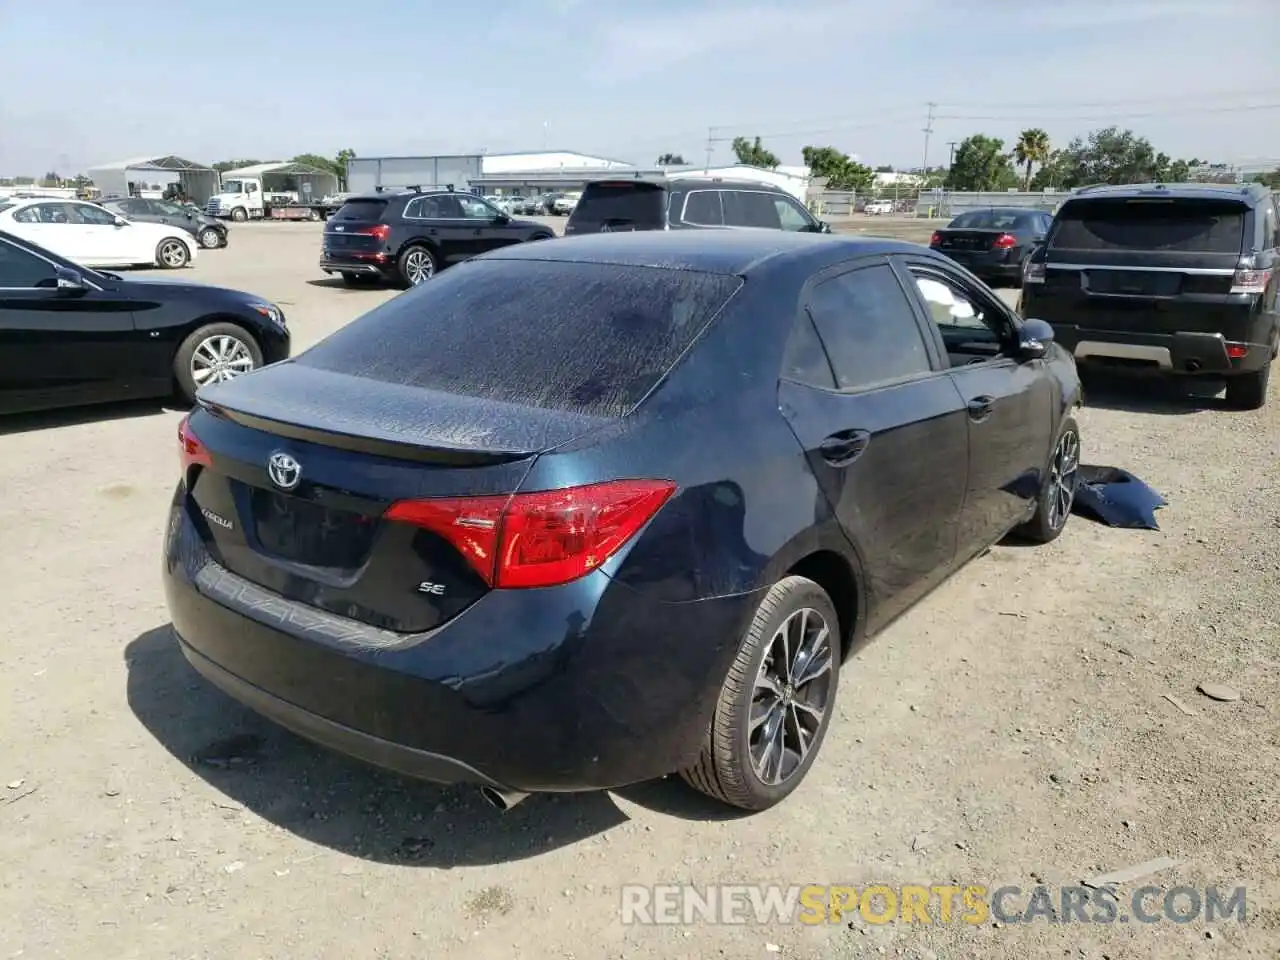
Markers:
(502, 800)
(1193, 365)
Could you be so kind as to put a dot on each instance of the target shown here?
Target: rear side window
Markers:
(625, 205)
(749, 208)
(868, 327)
(1184, 226)
(703, 209)
(582, 337)
(361, 210)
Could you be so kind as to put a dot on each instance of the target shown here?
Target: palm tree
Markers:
(1032, 148)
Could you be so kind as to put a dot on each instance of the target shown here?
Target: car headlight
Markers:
(271, 312)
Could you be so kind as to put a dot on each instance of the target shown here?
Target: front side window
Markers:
(868, 328)
(22, 270)
(94, 215)
(473, 208)
(791, 215)
(948, 307)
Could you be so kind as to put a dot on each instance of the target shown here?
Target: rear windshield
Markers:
(1186, 226)
(622, 205)
(988, 220)
(361, 210)
(581, 337)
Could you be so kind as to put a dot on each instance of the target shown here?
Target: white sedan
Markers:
(87, 234)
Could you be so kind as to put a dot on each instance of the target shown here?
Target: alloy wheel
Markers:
(1063, 477)
(791, 696)
(173, 253)
(209, 238)
(220, 358)
(418, 266)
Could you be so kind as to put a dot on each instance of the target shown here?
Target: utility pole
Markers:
(951, 157)
(711, 145)
(928, 129)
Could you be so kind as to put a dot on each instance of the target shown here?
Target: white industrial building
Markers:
(497, 164)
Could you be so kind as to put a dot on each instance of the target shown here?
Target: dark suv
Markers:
(1178, 279)
(659, 203)
(406, 236)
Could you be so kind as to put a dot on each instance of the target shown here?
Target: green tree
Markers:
(51, 179)
(1179, 170)
(1271, 179)
(1032, 149)
(340, 165)
(671, 160)
(981, 164)
(222, 166)
(842, 172)
(885, 168)
(754, 153)
(321, 163)
(1109, 155)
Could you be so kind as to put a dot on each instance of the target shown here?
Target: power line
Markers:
(1225, 95)
(1096, 118)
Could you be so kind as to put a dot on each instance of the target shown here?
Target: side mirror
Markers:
(824, 226)
(70, 283)
(501, 219)
(1034, 338)
(120, 222)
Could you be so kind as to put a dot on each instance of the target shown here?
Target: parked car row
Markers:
(723, 457)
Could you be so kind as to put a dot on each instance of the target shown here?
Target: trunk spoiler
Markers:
(390, 420)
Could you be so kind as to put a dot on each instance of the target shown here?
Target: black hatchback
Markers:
(1174, 279)
(408, 236)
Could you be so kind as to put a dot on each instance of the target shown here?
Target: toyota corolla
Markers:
(579, 514)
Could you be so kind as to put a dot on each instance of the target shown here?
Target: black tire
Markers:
(210, 238)
(183, 372)
(409, 257)
(239, 215)
(726, 769)
(1050, 518)
(1248, 391)
(172, 254)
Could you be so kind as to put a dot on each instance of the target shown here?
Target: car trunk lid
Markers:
(356, 227)
(293, 494)
(968, 240)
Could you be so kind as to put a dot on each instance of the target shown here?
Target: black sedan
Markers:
(71, 336)
(993, 243)
(209, 232)
(579, 514)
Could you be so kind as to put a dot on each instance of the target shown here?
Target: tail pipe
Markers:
(1193, 365)
(501, 799)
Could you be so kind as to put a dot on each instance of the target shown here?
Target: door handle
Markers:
(980, 408)
(841, 449)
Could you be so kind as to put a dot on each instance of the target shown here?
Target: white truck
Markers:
(275, 191)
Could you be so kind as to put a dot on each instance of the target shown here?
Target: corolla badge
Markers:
(284, 471)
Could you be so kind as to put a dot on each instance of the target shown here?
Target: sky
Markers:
(269, 79)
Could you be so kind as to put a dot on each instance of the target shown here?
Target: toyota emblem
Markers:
(284, 471)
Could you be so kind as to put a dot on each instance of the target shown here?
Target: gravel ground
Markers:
(1011, 729)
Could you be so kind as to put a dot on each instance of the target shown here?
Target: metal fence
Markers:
(941, 204)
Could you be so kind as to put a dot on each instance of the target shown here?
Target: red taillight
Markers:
(935, 239)
(380, 232)
(1250, 281)
(539, 539)
(1237, 351)
(190, 450)
(1005, 241)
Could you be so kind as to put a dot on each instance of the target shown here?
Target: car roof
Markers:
(723, 251)
(1188, 191)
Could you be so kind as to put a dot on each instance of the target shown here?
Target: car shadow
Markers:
(94, 413)
(339, 803)
(1151, 395)
(337, 283)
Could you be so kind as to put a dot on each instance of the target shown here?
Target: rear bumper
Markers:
(1184, 352)
(1004, 264)
(364, 264)
(586, 686)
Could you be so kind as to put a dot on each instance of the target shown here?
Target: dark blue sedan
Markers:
(994, 243)
(583, 513)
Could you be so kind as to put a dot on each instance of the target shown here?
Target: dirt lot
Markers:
(1011, 729)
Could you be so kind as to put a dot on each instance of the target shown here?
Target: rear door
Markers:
(751, 208)
(1147, 264)
(619, 206)
(884, 429)
(1008, 400)
(447, 391)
